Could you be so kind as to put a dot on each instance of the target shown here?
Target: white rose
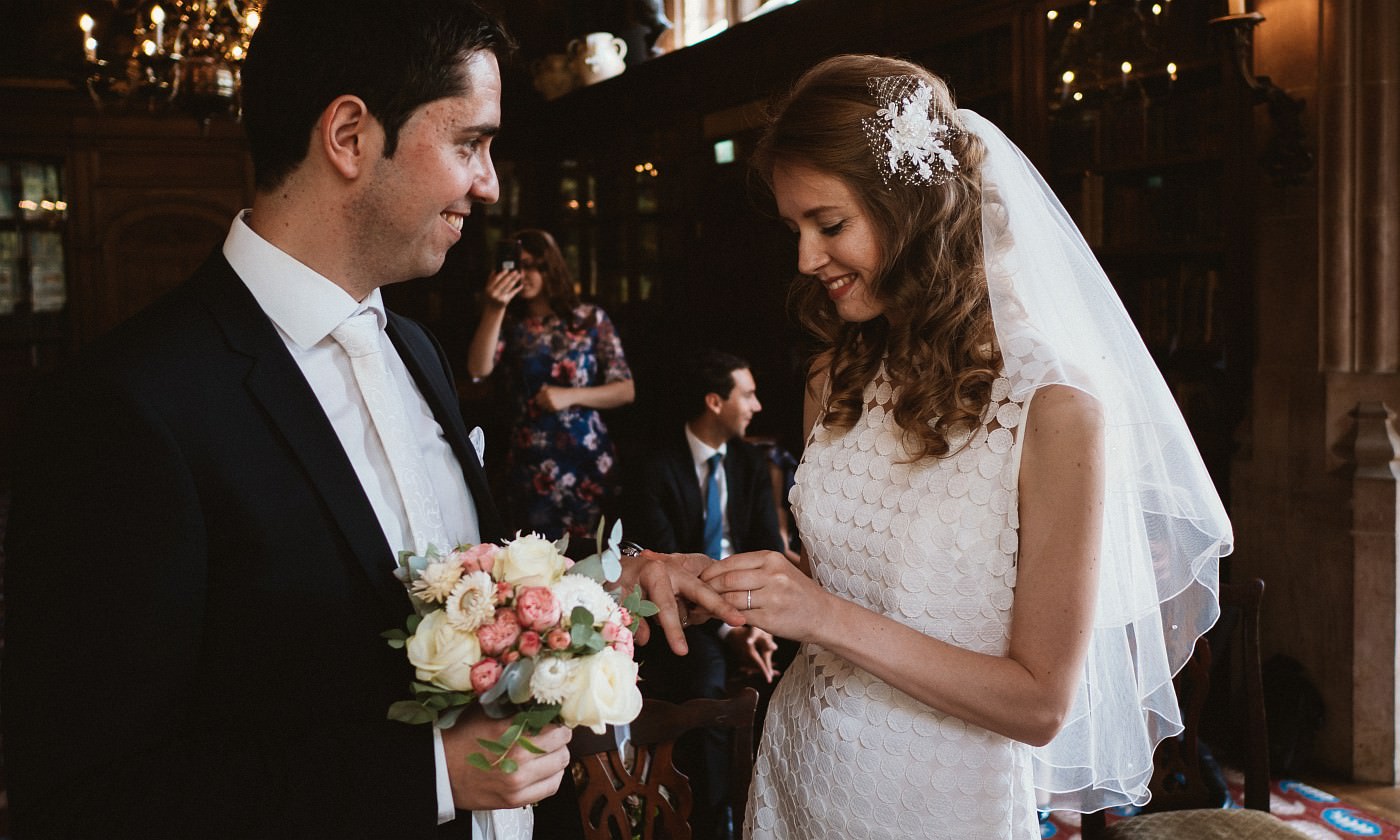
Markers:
(601, 690)
(582, 591)
(443, 654)
(531, 560)
(551, 678)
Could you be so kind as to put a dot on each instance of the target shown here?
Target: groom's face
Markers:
(417, 200)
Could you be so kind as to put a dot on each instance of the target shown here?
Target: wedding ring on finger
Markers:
(748, 599)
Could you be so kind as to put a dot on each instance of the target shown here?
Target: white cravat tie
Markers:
(360, 336)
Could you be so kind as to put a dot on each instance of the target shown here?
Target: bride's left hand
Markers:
(771, 593)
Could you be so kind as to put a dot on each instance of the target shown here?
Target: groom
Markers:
(206, 512)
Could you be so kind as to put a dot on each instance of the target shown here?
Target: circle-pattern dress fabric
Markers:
(931, 544)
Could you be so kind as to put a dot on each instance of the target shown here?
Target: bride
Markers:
(1001, 509)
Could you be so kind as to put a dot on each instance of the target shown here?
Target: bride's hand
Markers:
(771, 593)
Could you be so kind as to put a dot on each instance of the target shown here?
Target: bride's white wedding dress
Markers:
(932, 545)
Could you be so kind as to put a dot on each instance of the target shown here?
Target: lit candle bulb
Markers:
(1068, 78)
(1126, 67)
(1171, 69)
(85, 23)
(158, 18)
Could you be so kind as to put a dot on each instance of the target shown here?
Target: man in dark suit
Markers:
(706, 491)
(207, 509)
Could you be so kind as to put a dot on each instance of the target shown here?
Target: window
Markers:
(696, 20)
(32, 212)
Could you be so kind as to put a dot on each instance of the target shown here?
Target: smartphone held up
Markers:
(507, 255)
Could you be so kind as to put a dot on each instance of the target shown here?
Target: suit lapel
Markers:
(424, 363)
(276, 383)
(692, 502)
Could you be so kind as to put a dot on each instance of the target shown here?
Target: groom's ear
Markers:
(348, 136)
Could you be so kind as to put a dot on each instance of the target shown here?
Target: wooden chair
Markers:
(642, 794)
(1183, 805)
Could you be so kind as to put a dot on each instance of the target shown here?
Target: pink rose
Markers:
(485, 674)
(530, 643)
(619, 636)
(537, 608)
(478, 558)
(558, 639)
(498, 636)
(624, 617)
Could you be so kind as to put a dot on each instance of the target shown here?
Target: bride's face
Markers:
(836, 244)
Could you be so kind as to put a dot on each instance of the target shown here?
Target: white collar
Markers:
(701, 451)
(303, 304)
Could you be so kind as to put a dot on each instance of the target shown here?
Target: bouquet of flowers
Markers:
(524, 631)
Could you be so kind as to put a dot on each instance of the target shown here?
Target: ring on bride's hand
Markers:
(748, 599)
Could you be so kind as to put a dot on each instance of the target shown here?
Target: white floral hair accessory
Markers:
(909, 134)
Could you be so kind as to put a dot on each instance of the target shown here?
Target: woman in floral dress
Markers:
(563, 363)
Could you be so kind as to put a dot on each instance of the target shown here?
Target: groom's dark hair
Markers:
(709, 371)
(395, 56)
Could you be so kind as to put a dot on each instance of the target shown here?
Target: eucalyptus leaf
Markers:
(529, 746)
(513, 733)
(493, 694)
(479, 761)
(408, 711)
(508, 765)
(517, 678)
(445, 720)
(590, 567)
(540, 715)
(413, 622)
(612, 564)
(496, 707)
(497, 747)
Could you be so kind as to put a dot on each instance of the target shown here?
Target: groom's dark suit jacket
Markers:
(196, 587)
(666, 512)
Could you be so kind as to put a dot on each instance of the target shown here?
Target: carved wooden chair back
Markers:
(640, 793)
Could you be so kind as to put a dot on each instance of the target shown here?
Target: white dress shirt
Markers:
(304, 307)
(700, 453)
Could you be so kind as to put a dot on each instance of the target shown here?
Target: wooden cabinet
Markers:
(144, 200)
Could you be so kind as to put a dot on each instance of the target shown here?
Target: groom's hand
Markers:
(537, 776)
(672, 582)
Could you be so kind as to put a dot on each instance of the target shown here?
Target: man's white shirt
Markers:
(305, 307)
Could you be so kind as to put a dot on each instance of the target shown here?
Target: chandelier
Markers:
(1112, 48)
(170, 55)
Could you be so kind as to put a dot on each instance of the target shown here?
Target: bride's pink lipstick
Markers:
(839, 287)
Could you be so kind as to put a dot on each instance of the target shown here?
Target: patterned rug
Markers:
(1314, 813)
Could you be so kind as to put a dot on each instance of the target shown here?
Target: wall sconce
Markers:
(1287, 157)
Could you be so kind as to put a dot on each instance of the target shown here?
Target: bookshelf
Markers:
(1144, 162)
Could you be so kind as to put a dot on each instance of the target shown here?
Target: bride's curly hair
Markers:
(941, 353)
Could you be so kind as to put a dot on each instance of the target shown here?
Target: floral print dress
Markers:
(559, 461)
